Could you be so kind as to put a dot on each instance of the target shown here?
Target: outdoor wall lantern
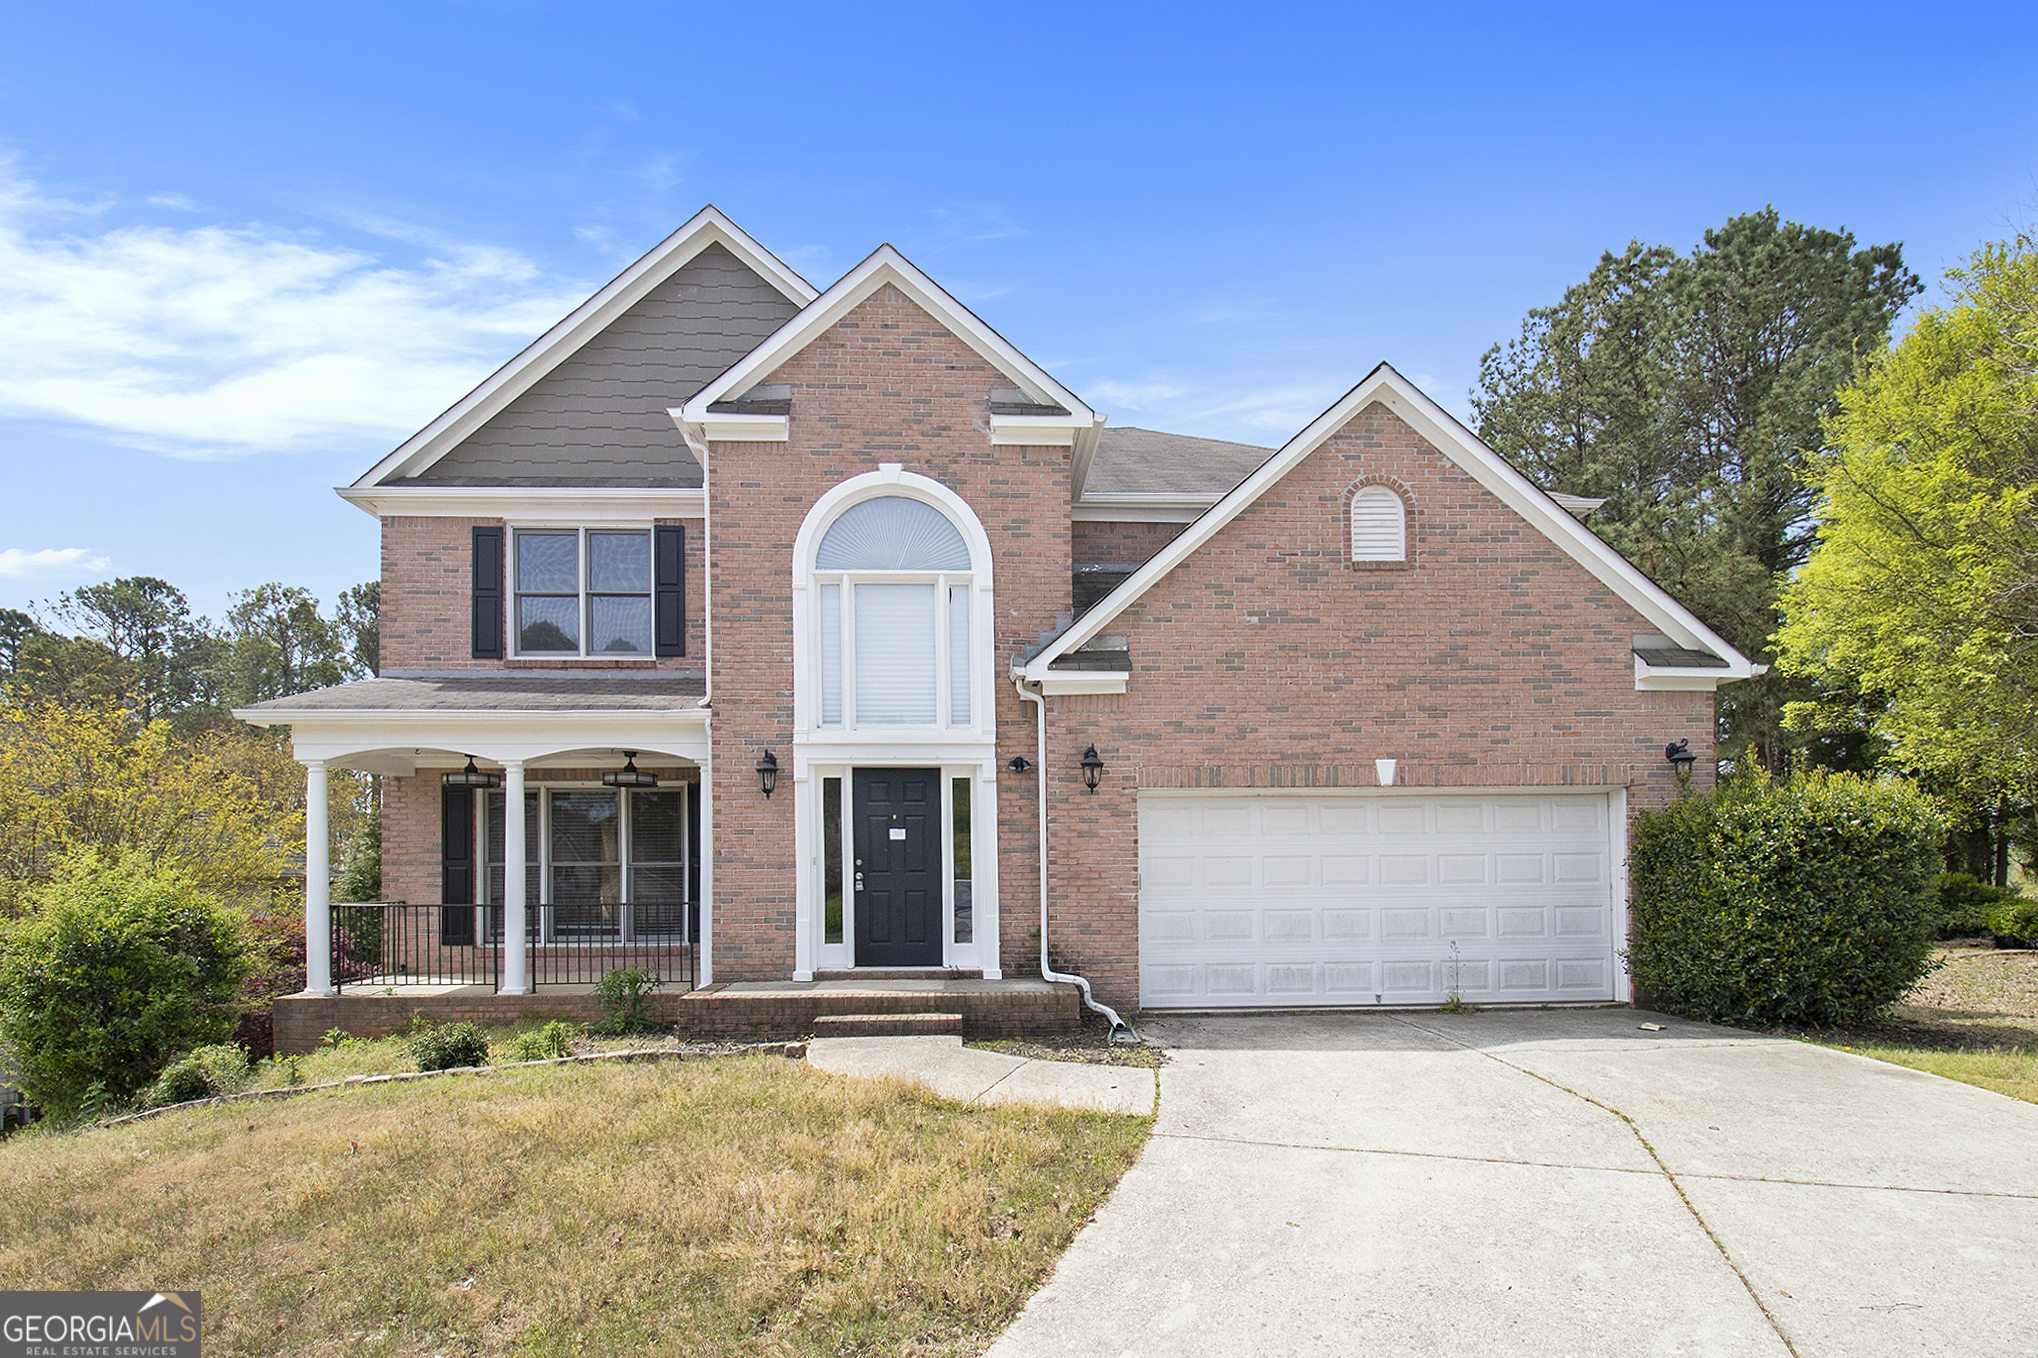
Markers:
(1093, 768)
(1681, 758)
(628, 776)
(471, 777)
(767, 773)
(1019, 763)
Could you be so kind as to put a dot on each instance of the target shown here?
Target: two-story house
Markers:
(785, 638)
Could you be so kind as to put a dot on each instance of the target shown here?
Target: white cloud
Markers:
(51, 563)
(175, 200)
(214, 341)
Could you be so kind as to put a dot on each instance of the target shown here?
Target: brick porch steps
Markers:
(888, 1025)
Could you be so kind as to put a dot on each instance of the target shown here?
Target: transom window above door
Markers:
(582, 591)
(892, 579)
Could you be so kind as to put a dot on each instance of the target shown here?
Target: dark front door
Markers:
(897, 867)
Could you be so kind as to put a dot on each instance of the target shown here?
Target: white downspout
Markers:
(1048, 973)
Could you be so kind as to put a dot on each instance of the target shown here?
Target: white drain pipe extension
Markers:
(1048, 973)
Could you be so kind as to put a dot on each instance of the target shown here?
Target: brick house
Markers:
(797, 623)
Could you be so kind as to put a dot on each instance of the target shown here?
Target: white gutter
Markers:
(1048, 973)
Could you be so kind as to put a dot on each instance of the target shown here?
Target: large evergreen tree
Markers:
(1688, 391)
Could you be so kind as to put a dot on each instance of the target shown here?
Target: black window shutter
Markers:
(488, 610)
(456, 864)
(668, 579)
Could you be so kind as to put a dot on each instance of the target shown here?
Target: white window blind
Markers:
(958, 655)
(831, 655)
(1379, 525)
(894, 655)
(892, 533)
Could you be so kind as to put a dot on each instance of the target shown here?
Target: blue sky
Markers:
(245, 249)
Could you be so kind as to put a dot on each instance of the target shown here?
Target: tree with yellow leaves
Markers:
(221, 810)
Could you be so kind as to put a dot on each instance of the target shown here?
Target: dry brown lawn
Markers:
(736, 1206)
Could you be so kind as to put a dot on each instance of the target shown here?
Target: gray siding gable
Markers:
(598, 418)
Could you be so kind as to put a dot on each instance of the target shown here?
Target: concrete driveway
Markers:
(1550, 1182)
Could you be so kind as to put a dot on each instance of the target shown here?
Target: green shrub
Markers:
(625, 995)
(2015, 922)
(206, 1073)
(548, 1043)
(1965, 903)
(449, 1046)
(115, 969)
(1809, 901)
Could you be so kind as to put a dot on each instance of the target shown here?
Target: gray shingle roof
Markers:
(1679, 657)
(598, 418)
(494, 691)
(1145, 461)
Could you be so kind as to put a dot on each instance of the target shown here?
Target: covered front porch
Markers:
(596, 787)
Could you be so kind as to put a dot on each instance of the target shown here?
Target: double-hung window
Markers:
(582, 592)
(892, 581)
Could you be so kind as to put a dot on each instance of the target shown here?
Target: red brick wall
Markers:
(410, 838)
(427, 601)
(1120, 544)
(1267, 660)
(886, 384)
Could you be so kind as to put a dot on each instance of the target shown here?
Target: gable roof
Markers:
(1134, 461)
(707, 228)
(886, 265)
(1680, 627)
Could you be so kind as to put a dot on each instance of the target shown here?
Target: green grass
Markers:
(736, 1206)
(2004, 1070)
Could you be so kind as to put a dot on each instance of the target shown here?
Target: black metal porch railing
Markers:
(390, 944)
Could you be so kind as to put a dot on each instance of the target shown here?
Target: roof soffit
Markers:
(1407, 402)
(886, 265)
(707, 227)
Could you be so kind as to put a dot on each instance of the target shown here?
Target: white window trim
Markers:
(944, 688)
(889, 479)
(837, 751)
(513, 594)
(811, 952)
(626, 865)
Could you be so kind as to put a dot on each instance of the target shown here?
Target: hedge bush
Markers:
(449, 1046)
(1966, 902)
(206, 1073)
(1806, 902)
(116, 968)
(2015, 922)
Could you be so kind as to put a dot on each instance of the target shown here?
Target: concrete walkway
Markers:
(1550, 1183)
(969, 1075)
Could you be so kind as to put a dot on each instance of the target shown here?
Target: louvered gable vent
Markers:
(1379, 525)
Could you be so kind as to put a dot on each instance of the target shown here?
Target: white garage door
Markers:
(1375, 898)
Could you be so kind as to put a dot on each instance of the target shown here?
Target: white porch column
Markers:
(704, 951)
(318, 884)
(516, 946)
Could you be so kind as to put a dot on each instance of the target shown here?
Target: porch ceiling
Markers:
(397, 724)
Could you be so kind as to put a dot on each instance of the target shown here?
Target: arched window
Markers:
(1379, 525)
(892, 582)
